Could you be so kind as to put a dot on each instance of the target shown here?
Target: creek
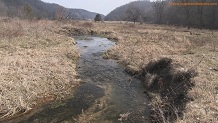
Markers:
(107, 94)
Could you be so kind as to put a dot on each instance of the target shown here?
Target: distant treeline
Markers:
(162, 12)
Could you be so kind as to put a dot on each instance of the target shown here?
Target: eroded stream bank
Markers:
(106, 94)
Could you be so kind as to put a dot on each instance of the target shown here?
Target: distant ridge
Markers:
(118, 14)
(40, 9)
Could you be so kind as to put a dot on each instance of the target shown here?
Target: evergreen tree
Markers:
(98, 18)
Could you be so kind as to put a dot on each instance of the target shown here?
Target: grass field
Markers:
(191, 48)
(38, 60)
(141, 43)
(37, 65)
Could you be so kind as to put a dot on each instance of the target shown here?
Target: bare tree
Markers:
(62, 13)
(11, 11)
(28, 11)
(187, 13)
(213, 18)
(133, 13)
(3, 9)
(158, 9)
(200, 14)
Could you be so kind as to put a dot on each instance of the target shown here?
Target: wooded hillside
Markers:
(162, 12)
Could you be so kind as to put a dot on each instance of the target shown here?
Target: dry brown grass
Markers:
(143, 43)
(87, 24)
(37, 65)
(36, 60)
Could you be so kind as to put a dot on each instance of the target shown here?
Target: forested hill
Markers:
(81, 14)
(120, 13)
(40, 9)
(162, 12)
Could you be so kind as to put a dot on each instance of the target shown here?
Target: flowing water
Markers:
(121, 94)
(105, 94)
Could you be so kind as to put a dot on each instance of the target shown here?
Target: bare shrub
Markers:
(171, 85)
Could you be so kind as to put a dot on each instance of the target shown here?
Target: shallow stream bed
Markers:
(122, 94)
(107, 93)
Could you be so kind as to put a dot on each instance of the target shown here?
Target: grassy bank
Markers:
(137, 45)
(37, 65)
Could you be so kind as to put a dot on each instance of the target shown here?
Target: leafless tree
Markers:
(200, 14)
(3, 9)
(133, 13)
(187, 13)
(158, 7)
(213, 12)
(28, 11)
(62, 13)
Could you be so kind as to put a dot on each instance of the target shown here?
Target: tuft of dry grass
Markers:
(170, 84)
(37, 65)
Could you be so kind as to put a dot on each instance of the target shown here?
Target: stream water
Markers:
(105, 94)
(120, 94)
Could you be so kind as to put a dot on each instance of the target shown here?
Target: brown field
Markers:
(36, 60)
(37, 65)
(191, 48)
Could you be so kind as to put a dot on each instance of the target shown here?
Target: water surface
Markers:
(121, 94)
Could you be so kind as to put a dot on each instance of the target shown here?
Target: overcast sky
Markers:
(99, 6)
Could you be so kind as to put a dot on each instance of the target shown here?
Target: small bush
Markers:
(170, 85)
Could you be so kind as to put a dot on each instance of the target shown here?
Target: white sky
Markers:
(99, 6)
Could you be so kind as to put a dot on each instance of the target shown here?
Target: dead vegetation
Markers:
(170, 84)
(37, 66)
(34, 59)
(87, 24)
(139, 45)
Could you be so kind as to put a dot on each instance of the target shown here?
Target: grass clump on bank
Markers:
(170, 85)
(37, 65)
